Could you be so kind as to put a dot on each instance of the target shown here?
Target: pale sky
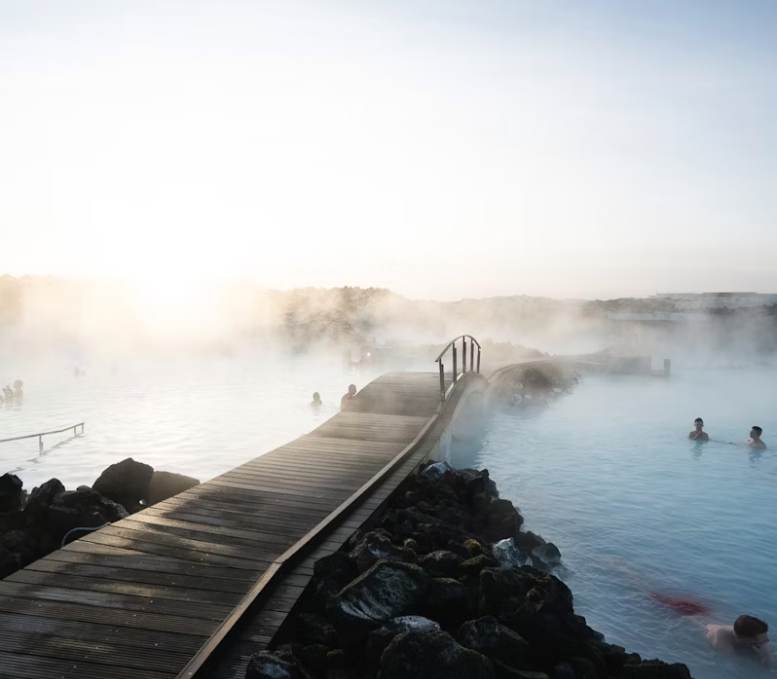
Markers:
(442, 148)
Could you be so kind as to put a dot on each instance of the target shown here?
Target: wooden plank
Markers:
(144, 577)
(153, 543)
(258, 497)
(183, 609)
(238, 513)
(255, 543)
(14, 666)
(101, 653)
(88, 584)
(96, 633)
(82, 552)
(106, 616)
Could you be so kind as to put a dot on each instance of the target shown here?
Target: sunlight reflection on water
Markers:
(197, 416)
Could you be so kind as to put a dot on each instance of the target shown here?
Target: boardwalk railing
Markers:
(454, 351)
(39, 436)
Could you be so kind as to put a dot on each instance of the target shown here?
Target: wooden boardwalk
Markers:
(140, 598)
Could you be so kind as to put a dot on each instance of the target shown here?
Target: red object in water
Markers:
(681, 606)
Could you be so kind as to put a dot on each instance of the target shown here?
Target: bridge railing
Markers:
(40, 435)
(453, 348)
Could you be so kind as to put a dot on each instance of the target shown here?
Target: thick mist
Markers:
(81, 321)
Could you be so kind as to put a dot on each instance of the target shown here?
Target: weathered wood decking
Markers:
(138, 599)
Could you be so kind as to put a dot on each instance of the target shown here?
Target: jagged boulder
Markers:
(81, 508)
(12, 495)
(435, 471)
(166, 484)
(378, 640)
(441, 563)
(510, 554)
(501, 520)
(523, 591)
(267, 665)
(655, 669)
(546, 557)
(312, 628)
(48, 515)
(332, 573)
(493, 639)
(448, 601)
(17, 549)
(432, 655)
(126, 483)
(375, 546)
(387, 590)
(41, 498)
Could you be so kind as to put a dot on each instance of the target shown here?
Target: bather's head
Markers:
(751, 631)
(698, 424)
(755, 433)
(316, 397)
(351, 389)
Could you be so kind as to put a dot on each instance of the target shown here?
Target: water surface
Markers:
(195, 415)
(608, 474)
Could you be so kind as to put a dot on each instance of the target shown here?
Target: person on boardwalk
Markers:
(755, 439)
(748, 636)
(698, 433)
(316, 403)
(351, 393)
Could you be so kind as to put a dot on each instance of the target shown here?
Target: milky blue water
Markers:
(195, 415)
(608, 474)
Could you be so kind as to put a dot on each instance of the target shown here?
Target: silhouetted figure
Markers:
(351, 393)
(316, 402)
(698, 433)
(755, 439)
(18, 394)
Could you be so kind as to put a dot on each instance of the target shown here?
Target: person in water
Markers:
(351, 393)
(748, 636)
(316, 402)
(698, 433)
(755, 439)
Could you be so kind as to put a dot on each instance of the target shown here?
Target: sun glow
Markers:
(172, 303)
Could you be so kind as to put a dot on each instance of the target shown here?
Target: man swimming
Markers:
(747, 635)
(316, 402)
(755, 439)
(351, 393)
(698, 433)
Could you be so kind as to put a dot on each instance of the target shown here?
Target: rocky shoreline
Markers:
(35, 524)
(447, 585)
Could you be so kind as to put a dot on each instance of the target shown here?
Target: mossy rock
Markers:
(476, 564)
(474, 547)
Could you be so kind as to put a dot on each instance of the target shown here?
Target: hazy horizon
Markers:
(441, 150)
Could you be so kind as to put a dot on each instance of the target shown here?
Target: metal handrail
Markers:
(40, 436)
(452, 345)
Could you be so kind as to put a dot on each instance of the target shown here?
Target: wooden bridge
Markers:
(194, 585)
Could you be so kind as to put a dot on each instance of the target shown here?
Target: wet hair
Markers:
(748, 626)
(758, 429)
(698, 419)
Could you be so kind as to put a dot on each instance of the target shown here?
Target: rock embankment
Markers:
(534, 386)
(447, 585)
(34, 525)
